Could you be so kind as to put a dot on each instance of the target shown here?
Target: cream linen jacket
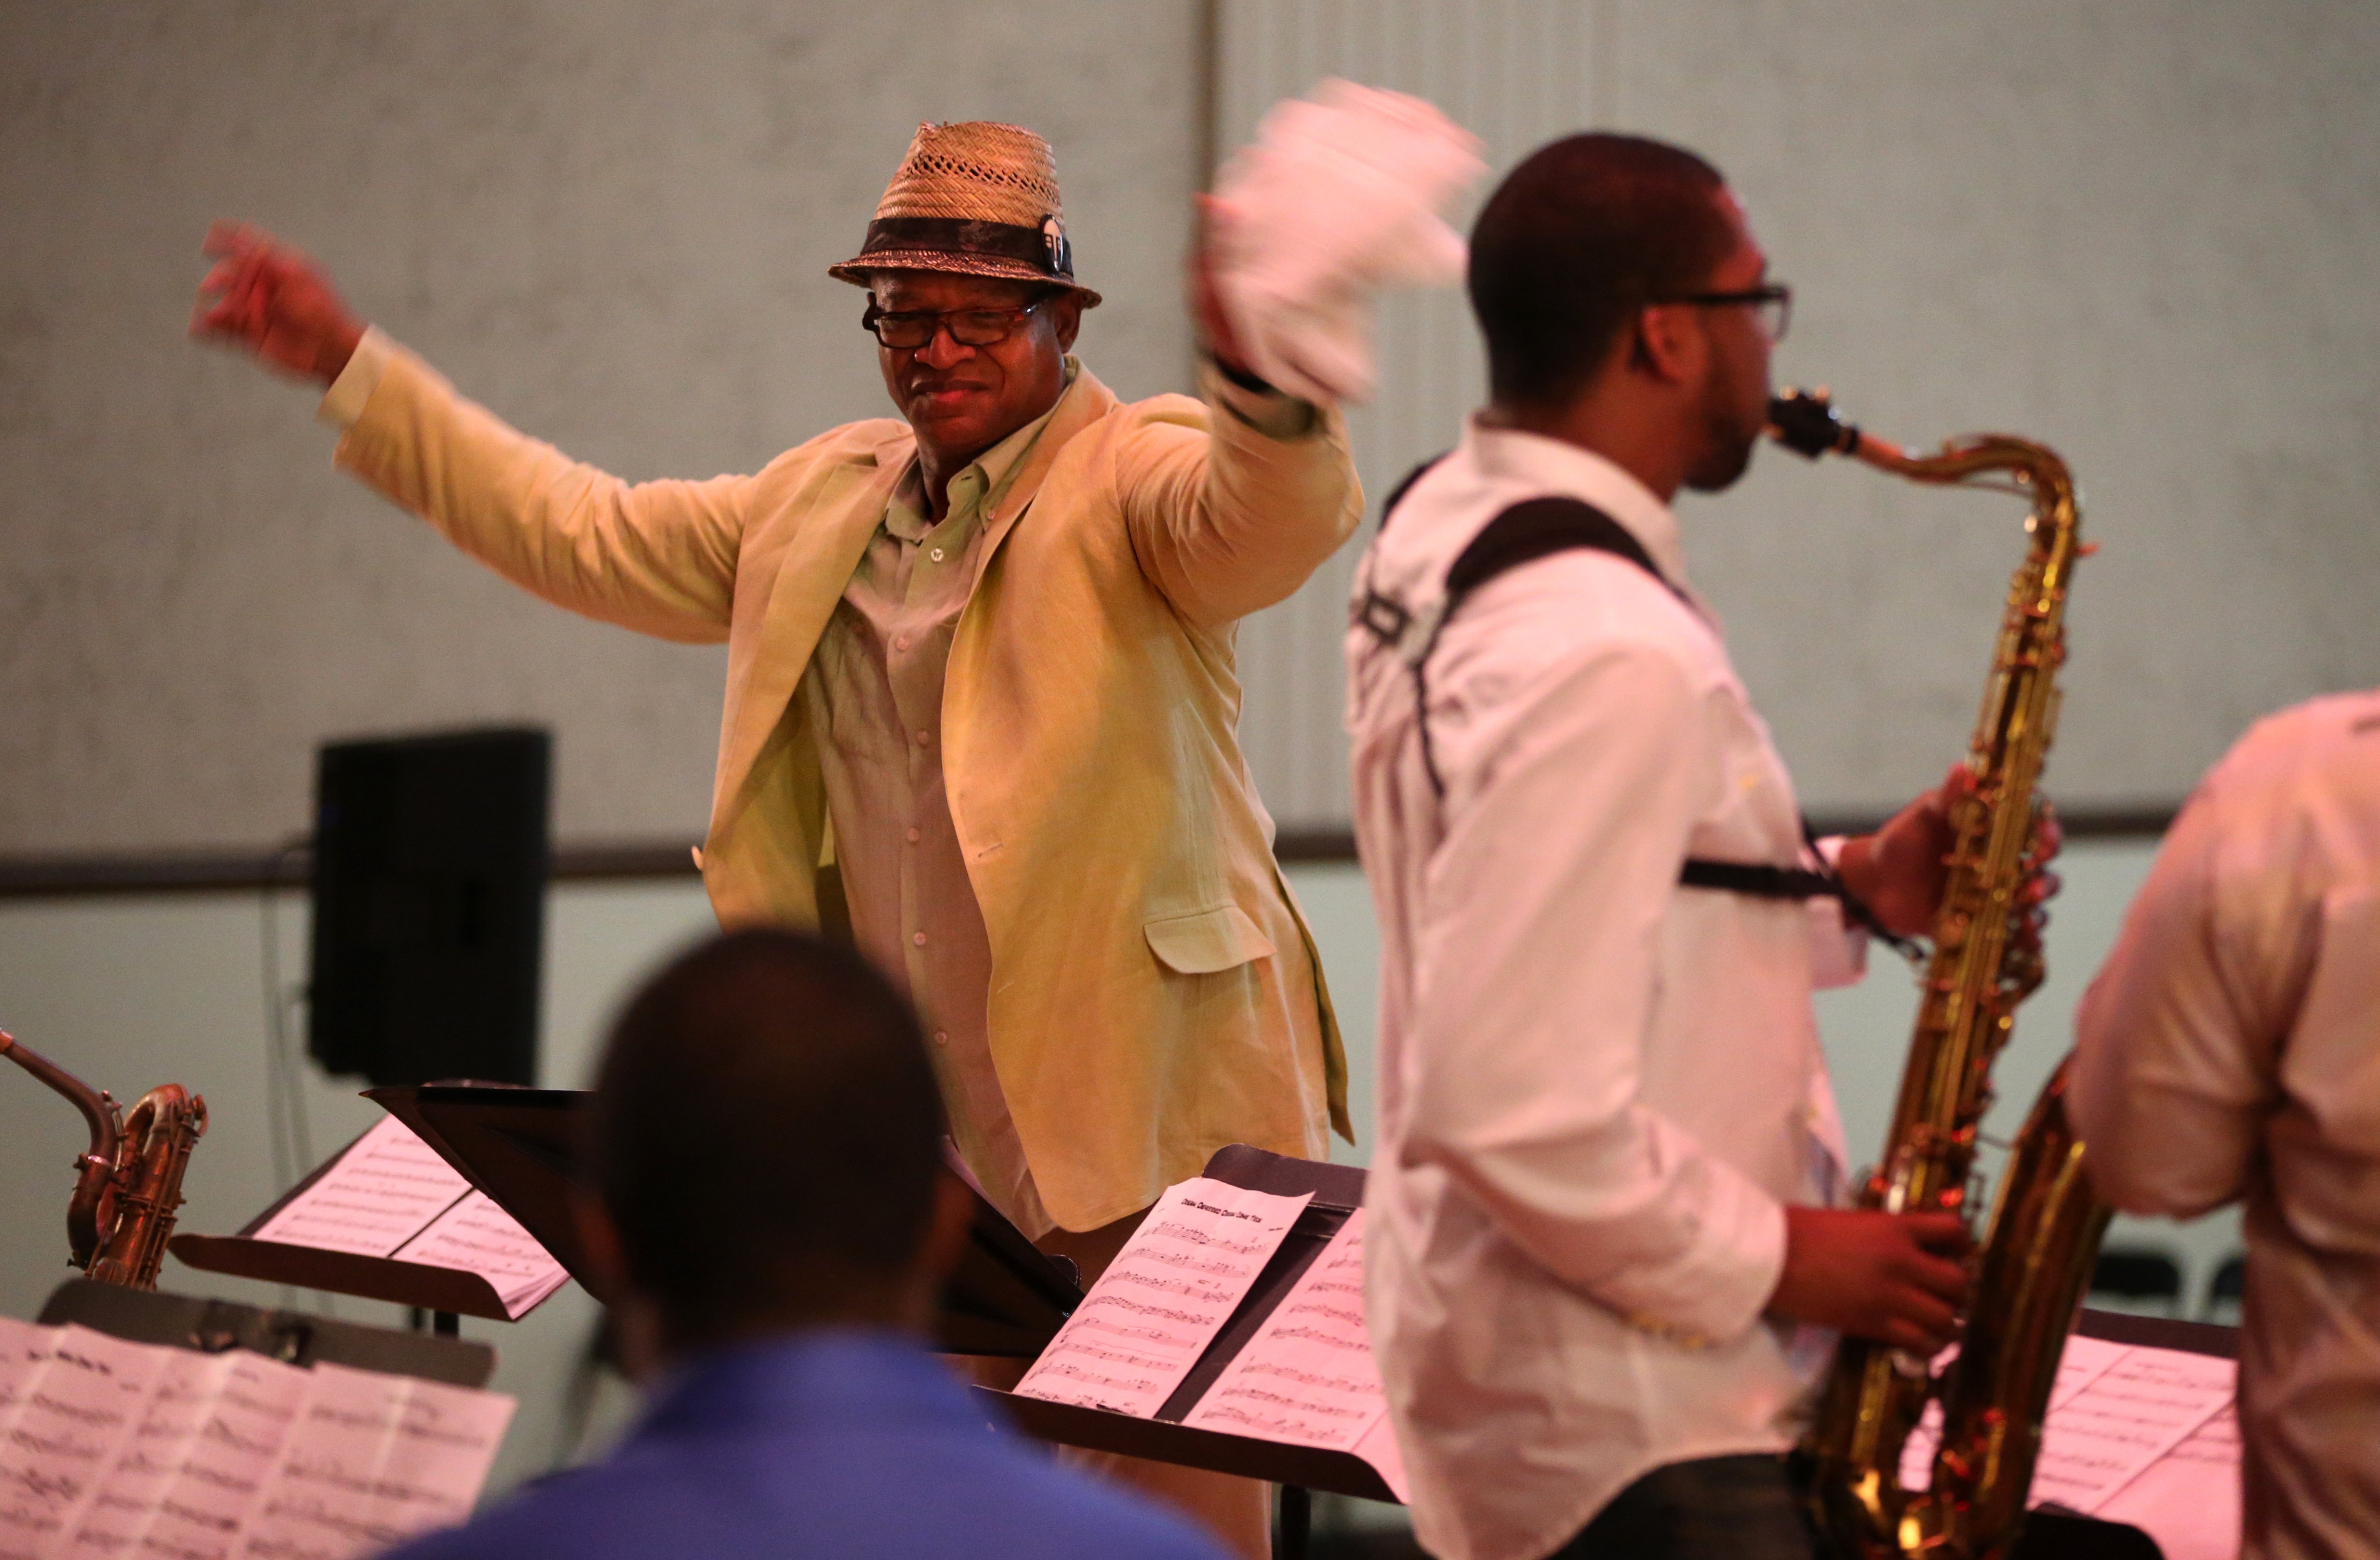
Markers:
(1155, 991)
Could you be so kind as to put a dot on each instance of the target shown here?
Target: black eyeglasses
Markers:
(912, 328)
(1774, 302)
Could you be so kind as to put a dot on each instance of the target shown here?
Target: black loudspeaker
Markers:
(430, 858)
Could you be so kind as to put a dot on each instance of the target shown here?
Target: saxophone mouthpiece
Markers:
(1807, 422)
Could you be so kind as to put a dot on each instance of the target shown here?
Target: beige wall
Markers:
(609, 219)
(2140, 233)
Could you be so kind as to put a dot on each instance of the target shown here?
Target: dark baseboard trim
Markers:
(168, 872)
(1304, 846)
(161, 872)
(2080, 823)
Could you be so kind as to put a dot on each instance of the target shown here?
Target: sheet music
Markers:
(446, 1439)
(74, 1414)
(479, 1236)
(376, 1460)
(1159, 1305)
(2132, 1414)
(390, 1195)
(25, 1352)
(2189, 1500)
(2116, 1412)
(219, 1479)
(1308, 1375)
(2080, 1363)
(374, 1197)
(179, 1405)
(319, 1502)
(127, 1451)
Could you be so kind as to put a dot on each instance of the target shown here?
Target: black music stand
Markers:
(444, 1293)
(523, 1148)
(1338, 1192)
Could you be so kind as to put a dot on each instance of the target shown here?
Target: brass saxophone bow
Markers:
(129, 1184)
(2036, 1253)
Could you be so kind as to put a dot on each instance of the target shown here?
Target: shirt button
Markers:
(918, 938)
(923, 737)
(936, 555)
(916, 835)
(941, 1037)
(901, 643)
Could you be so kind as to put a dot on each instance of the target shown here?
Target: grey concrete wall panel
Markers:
(608, 220)
(2141, 234)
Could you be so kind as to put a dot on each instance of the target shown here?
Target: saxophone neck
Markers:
(99, 1112)
(87, 1211)
(1807, 422)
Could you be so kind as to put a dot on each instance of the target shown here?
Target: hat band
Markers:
(1044, 251)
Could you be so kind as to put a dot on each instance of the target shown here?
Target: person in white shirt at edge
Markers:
(1604, 1273)
(2230, 1051)
(980, 700)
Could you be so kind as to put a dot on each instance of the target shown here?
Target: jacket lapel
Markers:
(812, 574)
(1084, 403)
(825, 551)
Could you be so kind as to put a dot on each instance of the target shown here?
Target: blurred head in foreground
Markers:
(766, 1152)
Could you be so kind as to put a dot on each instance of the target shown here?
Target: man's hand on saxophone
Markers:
(1897, 872)
(1898, 1278)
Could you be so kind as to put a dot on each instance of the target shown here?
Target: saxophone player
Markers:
(1604, 1273)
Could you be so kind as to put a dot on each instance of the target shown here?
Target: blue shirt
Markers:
(825, 1444)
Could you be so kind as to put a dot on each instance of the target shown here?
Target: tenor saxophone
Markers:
(2037, 1252)
(128, 1183)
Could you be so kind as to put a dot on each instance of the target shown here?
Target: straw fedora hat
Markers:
(978, 199)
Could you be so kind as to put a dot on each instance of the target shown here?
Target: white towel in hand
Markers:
(1338, 199)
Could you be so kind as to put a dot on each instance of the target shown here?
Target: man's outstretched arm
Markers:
(1234, 521)
(658, 557)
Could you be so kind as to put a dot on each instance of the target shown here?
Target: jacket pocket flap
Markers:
(1210, 940)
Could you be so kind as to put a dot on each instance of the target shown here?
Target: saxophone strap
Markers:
(1524, 532)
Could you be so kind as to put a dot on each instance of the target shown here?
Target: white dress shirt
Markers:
(2230, 1049)
(1597, 1089)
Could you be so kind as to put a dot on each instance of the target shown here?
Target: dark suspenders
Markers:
(1527, 531)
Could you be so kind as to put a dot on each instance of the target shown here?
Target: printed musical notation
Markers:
(2189, 1499)
(1163, 1285)
(111, 1450)
(1308, 1375)
(389, 1194)
(479, 1236)
(2120, 1416)
(1222, 1231)
(1193, 1263)
(381, 1192)
(1242, 1247)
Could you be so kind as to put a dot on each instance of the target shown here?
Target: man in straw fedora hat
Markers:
(980, 697)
